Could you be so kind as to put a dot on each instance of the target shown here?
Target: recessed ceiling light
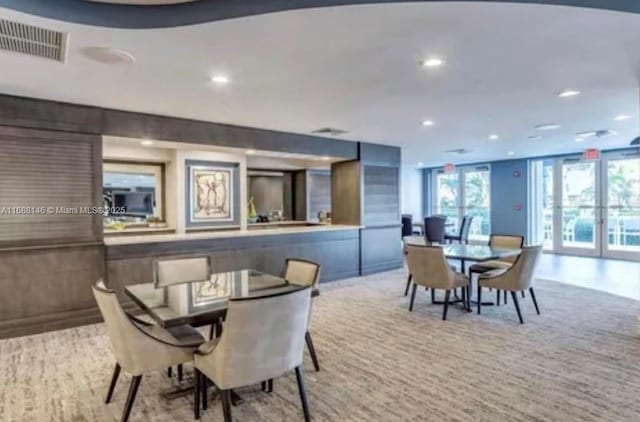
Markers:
(432, 62)
(494, 136)
(146, 142)
(420, 164)
(325, 158)
(109, 55)
(220, 79)
(534, 137)
(579, 139)
(548, 126)
(251, 151)
(510, 153)
(621, 117)
(427, 123)
(568, 93)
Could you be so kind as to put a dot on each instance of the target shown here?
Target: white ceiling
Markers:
(357, 68)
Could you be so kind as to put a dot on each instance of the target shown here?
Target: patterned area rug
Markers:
(578, 361)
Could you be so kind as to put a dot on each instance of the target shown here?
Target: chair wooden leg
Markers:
(180, 375)
(447, 294)
(413, 296)
(114, 380)
(212, 331)
(514, 296)
(505, 297)
(169, 372)
(270, 385)
(196, 394)
(303, 394)
(433, 295)
(131, 397)
(479, 297)
(226, 404)
(535, 302)
(203, 390)
(406, 289)
(312, 351)
(263, 386)
(523, 295)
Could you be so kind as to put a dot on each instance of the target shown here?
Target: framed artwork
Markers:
(211, 198)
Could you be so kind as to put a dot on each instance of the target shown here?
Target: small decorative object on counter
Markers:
(252, 215)
(155, 222)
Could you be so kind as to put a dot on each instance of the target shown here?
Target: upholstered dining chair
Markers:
(140, 347)
(434, 229)
(429, 268)
(306, 273)
(463, 234)
(263, 339)
(517, 278)
(503, 241)
(170, 271)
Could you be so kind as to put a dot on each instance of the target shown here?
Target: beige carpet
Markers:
(578, 361)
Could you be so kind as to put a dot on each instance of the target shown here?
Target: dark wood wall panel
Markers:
(48, 287)
(336, 251)
(43, 176)
(346, 193)
(381, 249)
(381, 195)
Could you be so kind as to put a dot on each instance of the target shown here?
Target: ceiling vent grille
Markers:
(460, 151)
(33, 40)
(329, 131)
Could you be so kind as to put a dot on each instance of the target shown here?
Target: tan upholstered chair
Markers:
(307, 273)
(502, 241)
(140, 347)
(167, 272)
(263, 339)
(429, 268)
(517, 278)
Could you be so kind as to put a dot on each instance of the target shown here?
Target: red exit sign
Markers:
(591, 154)
(449, 168)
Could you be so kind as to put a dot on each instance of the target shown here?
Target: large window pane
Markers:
(477, 201)
(447, 188)
(623, 205)
(579, 204)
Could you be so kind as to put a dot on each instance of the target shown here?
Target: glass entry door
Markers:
(577, 218)
(621, 208)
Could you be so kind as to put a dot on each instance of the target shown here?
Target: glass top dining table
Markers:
(203, 301)
(464, 252)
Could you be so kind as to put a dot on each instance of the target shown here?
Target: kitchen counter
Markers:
(297, 227)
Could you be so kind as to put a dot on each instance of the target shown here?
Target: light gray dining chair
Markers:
(306, 273)
(181, 270)
(140, 347)
(429, 268)
(503, 241)
(170, 271)
(517, 278)
(263, 339)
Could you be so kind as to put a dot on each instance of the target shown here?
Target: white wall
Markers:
(411, 192)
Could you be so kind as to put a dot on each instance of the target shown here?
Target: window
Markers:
(134, 189)
(465, 191)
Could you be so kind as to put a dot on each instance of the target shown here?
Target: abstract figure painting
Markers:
(211, 194)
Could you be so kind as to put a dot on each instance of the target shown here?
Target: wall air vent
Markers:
(33, 40)
(457, 151)
(329, 131)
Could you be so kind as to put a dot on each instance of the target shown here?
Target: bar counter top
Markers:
(222, 234)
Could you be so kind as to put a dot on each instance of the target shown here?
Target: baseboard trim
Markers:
(382, 267)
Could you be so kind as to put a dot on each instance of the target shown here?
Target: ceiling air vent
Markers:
(329, 131)
(33, 40)
(457, 151)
